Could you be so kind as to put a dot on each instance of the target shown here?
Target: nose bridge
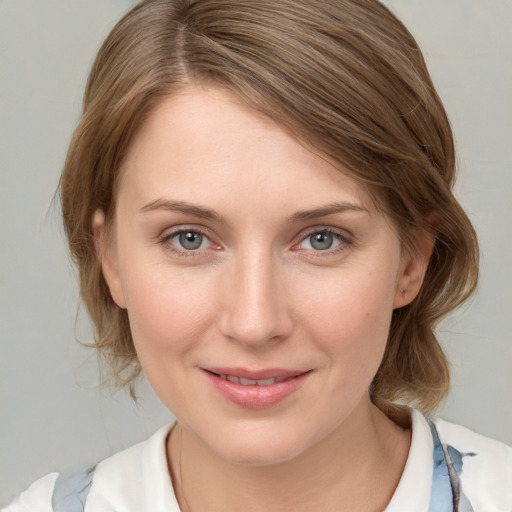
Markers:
(255, 311)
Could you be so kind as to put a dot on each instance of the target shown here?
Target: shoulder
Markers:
(126, 478)
(484, 465)
(130, 478)
(37, 497)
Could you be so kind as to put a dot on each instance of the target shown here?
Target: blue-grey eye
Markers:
(190, 240)
(321, 241)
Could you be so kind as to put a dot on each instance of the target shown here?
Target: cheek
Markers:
(169, 317)
(357, 304)
(350, 320)
(167, 310)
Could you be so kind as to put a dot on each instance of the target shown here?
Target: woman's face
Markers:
(259, 280)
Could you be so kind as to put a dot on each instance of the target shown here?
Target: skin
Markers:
(258, 294)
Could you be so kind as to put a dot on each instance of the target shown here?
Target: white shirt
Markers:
(137, 479)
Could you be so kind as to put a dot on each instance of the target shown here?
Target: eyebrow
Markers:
(327, 210)
(208, 214)
(182, 207)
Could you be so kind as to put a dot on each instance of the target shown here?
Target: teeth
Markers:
(252, 382)
(267, 382)
(248, 382)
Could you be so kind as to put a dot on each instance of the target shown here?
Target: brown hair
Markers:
(347, 79)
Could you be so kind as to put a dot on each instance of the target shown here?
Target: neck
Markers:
(356, 467)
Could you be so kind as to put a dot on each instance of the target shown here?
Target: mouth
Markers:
(256, 389)
(251, 382)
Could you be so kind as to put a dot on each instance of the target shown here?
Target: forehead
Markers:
(207, 145)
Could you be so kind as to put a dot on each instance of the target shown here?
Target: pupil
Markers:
(321, 241)
(191, 240)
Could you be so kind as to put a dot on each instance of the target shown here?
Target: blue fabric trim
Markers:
(71, 490)
(441, 495)
(446, 493)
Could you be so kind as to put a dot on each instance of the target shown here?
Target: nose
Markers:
(255, 306)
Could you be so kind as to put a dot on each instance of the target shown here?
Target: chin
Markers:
(257, 445)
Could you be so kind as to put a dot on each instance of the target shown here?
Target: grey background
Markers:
(52, 413)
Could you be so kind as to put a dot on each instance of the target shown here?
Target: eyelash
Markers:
(166, 239)
(344, 242)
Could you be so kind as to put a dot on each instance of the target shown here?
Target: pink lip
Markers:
(268, 373)
(255, 396)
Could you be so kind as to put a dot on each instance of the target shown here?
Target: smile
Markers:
(252, 382)
(256, 389)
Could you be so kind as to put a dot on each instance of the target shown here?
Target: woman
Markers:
(258, 199)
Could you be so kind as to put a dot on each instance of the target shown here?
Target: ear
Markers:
(108, 258)
(412, 272)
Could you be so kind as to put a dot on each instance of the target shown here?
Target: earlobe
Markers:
(107, 257)
(414, 268)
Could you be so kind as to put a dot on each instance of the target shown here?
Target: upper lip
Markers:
(267, 373)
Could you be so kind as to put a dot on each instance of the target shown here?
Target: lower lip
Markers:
(256, 397)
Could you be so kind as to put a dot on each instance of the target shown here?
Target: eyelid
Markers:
(169, 233)
(346, 240)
